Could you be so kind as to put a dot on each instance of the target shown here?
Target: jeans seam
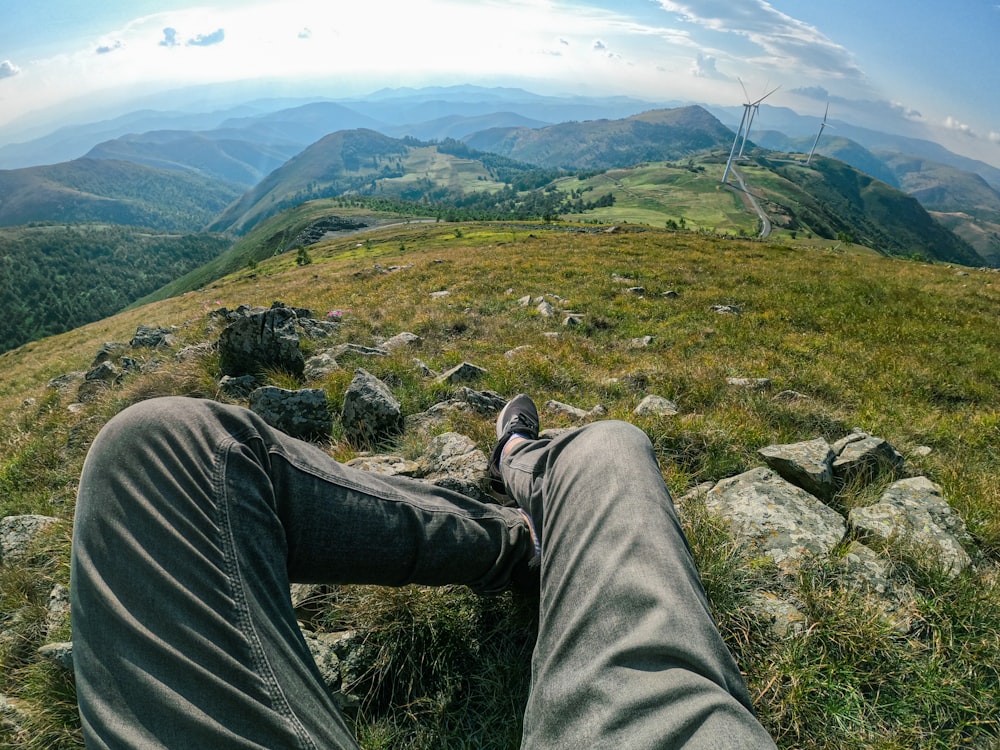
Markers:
(261, 664)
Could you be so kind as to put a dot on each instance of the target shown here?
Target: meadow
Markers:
(905, 350)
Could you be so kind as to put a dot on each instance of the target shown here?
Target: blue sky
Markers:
(925, 68)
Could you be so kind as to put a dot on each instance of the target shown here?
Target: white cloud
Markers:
(784, 42)
(704, 67)
(599, 45)
(994, 136)
(8, 69)
(959, 127)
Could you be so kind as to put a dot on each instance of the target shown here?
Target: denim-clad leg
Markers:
(192, 518)
(628, 655)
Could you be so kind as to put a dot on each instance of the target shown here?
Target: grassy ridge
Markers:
(904, 350)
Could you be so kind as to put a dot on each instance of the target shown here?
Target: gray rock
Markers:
(573, 319)
(574, 413)
(783, 617)
(440, 295)
(152, 337)
(240, 386)
(58, 653)
(194, 352)
(386, 464)
(371, 414)
(319, 329)
(66, 383)
(779, 519)
(525, 300)
(641, 342)
(860, 456)
(462, 373)
(17, 533)
(363, 351)
(640, 290)
(545, 309)
(14, 718)
(870, 575)
(914, 513)
(656, 406)
(808, 465)
(727, 309)
(261, 340)
(57, 611)
(302, 414)
(454, 456)
(482, 402)
(401, 341)
(320, 365)
(750, 384)
(108, 352)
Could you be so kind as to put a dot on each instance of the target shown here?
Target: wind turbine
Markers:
(749, 109)
(822, 125)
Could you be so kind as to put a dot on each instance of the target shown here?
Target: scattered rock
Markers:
(913, 511)
(320, 365)
(371, 414)
(750, 384)
(574, 413)
(153, 337)
(401, 341)
(17, 533)
(573, 319)
(462, 373)
(545, 309)
(261, 340)
(454, 456)
(303, 413)
(727, 309)
(860, 455)
(240, 386)
(808, 464)
(656, 406)
(641, 343)
(58, 653)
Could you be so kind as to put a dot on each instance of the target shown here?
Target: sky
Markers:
(925, 68)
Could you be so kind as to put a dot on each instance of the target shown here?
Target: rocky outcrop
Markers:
(371, 415)
(303, 413)
(261, 339)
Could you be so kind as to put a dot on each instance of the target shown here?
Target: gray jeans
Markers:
(193, 517)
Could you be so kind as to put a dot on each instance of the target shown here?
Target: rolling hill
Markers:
(113, 192)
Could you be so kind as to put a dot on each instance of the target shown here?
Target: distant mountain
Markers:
(114, 192)
(657, 135)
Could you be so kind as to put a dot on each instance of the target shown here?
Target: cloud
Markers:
(994, 136)
(8, 69)
(880, 108)
(704, 67)
(959, 127)
(207, 40)
(599, 45)
(106, 48)
(784, 42)
(169, 38)
(306, 33)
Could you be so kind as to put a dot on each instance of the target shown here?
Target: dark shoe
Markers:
(518, 416)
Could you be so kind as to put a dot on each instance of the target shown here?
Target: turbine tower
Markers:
(822, 125)
(749, 110)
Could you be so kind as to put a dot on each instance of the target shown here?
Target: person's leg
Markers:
(628, 654)
(192, 518)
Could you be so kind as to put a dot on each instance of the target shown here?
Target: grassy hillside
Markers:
(904, 350)
(113, 192)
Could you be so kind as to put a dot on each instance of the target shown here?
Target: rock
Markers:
(525, 300)
(152, 337)
(781, 520)
(641, 342)
(545, 309)
(17, 533)
(320, 365)
(14, 718)
(789, 396)
(401, 341)
(364, 351)
(261, 340)
(195, 351)
(640, 290)
(455, 457)
(57, 609)
(66, 383)
(59, 653)
(371, 414)
(871, 576)
(386, 464)
(656, 406)
(574, 413)
(238, 387)
(913, 512)
(573, 319)
(750, 384)
(440, 295)
(318, 329)
(727, 309)
(303, 414)
(108, 352)
(512, 353)
(808, 465)
(670, 294)
(861, 455)
(482, 402)
(783, 617)
(464, 372)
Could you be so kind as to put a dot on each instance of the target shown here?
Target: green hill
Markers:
(56, 278)
(113, 192)
(904, 350)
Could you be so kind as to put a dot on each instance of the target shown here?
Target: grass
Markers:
(905, 350)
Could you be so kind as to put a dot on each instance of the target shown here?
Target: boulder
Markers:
(777, 518)
(913, 512)
(454, 456)
(808, 465)
(152, 337)
(260, 340)
(656, 406)
(371, 414)
(462, 373)
(303, 414)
